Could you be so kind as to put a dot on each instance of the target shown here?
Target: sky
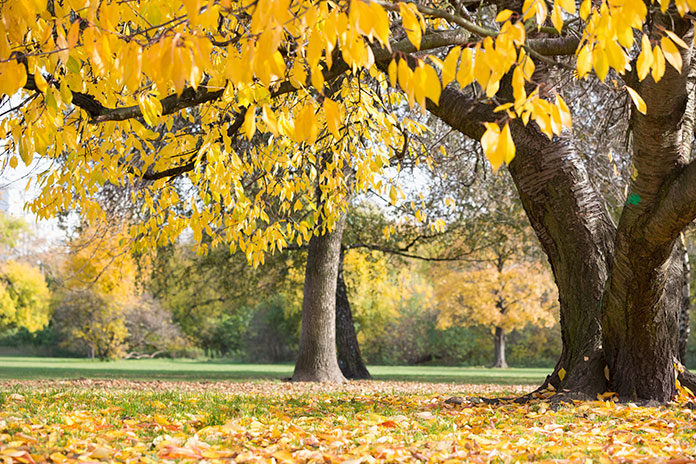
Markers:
(14, 182)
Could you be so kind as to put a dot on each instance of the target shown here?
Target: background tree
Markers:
(24, 297)
(98, 286)
(501, 296)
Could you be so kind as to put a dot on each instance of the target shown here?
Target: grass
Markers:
(27, 368)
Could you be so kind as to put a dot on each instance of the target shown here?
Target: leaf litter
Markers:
(354, 423)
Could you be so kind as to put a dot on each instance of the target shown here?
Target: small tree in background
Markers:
(503, 296)
(24, 297)
(88, 319)
(98, 288)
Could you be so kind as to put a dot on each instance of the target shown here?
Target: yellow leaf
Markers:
(306, 128)
(600, 63)
(506, 146)
(65, 93)
(465, 73)
(100, 452)
(192, 8)
(671, 53)
(557, 17)
(409, 18)
(249, 124)
(269, 118)
(676, 39)
(449, 68)
(432, 84)
(41, 83)
(73, 34)
(658, 67)
(381, 24)
(585, 9)
(502, 107)
(283, 456)
(637, 100)
(606, 372)
(584, 63)
(333, 117)
(566, 118)
(503, 16)
(391, 70)
(561, 373)
(568, 5)
(489, 143)
(12, 77)
(645, 58)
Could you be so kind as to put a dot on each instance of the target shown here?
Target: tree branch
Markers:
(675, 210)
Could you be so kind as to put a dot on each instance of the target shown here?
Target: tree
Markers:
(87, 319)
(259, 71)
(11, 229)
(24, 297)
(503, 296)
(96, 292)
(350, 359)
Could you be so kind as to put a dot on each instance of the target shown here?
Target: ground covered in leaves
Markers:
(360, 422)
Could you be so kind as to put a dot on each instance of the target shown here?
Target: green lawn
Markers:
(12, 367)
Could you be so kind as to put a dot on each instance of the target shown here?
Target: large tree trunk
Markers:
(349, 358)
(626, 319)
(499, 340)
(317, 361)
(576, 233)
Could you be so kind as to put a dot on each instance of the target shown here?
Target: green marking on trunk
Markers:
(633, 199)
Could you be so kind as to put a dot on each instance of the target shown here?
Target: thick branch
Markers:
(675, 210)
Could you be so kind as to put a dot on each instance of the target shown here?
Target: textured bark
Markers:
(349, 358)
(317, 361)
(620, 288)
(499, 338)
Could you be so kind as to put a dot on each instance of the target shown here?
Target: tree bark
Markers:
(349, 358)
(499, 338)
(317, 360)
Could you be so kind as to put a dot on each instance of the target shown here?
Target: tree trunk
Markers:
(349, 358)
(499, 338)
(317, 360)
(626, 319)
(576, 233)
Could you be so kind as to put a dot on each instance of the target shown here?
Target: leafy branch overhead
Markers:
(282, 99)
